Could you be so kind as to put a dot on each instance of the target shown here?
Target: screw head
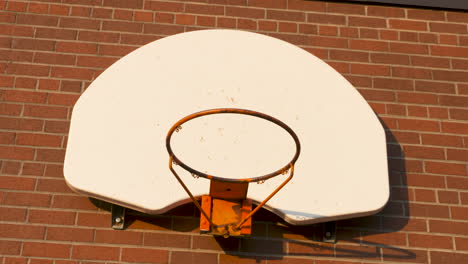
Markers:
(118, 219)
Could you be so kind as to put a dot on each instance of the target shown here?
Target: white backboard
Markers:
(116, 149)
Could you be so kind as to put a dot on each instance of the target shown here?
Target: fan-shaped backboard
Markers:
(116, 148)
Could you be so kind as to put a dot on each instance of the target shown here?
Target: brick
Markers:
(448, 197)
(422, 180)
(394, 84)
(412, 73)
(245, 12)
(460, 64)
(453, 127)
(56, 33)
(417, 111)
(123, 15)
(93, 219)
(53, 58)
(143, 16)
(75, 202)
(57, 126)
(76, 73)
(367, 22)
(99, 36)
(409, 36)
(25, 96)
(25, 82)
(10, 167)
(21, 231)
(204, 9)
(448, 28)
(46, 84)
(346, 8)
(74, 47)
(327, 30)
(21, 124)
(370, 45)
(445, 168)
(430, 62)
(12, 215)
(95, 252)
(461, 243)
(207, 21)
(449, 51)
(27, 199)
(408, 25)
(345, 55)
(40, 249)
(7, 138)
(442, 140)
(50, 155)
(10, 247)
(429, 210)
(27, 69)
(390, 58)
(457, 101)
(426, 14)
(38, 140)
(181, 257)
(38, 8)
(450, 75)
(35, 169)
(51, 217)
(118, 237)
(29, 19)
(70, 234)
(423, 195)
(59, 10)
(82, 23)
(163, 29)
(62, 99)
(448, 227)
(306, 5)
(142, 255)
(45, 111)
(457, 183)
(329, 42)
(184, 19)
(438, 112)
(167, 240)
(370, 69)
(417, 98)
(460, 213)
(385, 11)
(53, 185)
(14, 30)
(136, 4)
(16, 183)
(17, 153)
(409, 48)
(448, 257)
(459, 114)
(418, 125)
(326, 19)
(16, 55)
(164, 6)
(457, 154)
(435, 87)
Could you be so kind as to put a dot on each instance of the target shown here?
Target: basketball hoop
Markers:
(220, 185)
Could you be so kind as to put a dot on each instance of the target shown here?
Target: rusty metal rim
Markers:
(278, 122)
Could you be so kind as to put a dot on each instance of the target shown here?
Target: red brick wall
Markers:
(410, 64)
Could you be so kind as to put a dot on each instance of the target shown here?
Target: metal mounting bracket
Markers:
(118, 217)
(329, 232)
